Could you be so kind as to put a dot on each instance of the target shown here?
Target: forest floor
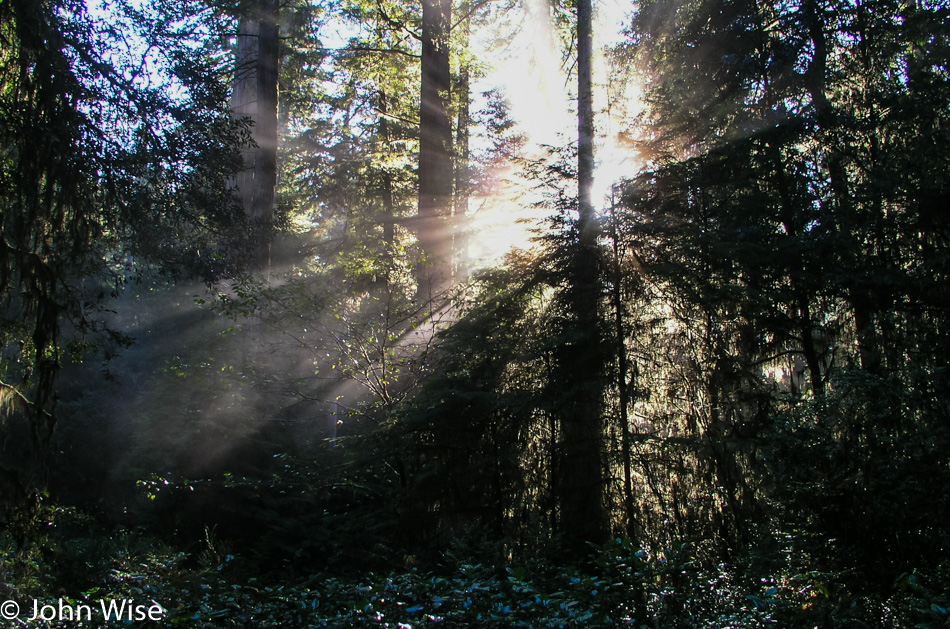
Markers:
(75, 573)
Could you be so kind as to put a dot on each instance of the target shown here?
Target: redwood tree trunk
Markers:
(462, 174)
(254, 95)
(266, 124)
(435, 148)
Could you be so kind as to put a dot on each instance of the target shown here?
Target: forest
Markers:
(478, 313)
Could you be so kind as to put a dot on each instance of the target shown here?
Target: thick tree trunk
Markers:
(435, 148)
(254, 95)
(244, 105)
(266, 127)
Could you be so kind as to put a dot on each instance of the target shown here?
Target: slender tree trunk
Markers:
(460, 218)
(623, 368)
(792, 223)
(386, 185)
(869, 351)
(810, 348)
(435, 147)
(585, 125)
(583, 510)
(389, 209)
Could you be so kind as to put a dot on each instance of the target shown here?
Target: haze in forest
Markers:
(475, 312)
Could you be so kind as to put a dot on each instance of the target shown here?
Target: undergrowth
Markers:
(71, 561)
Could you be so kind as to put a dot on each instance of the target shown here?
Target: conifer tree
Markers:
(103, 169)
(580, 468)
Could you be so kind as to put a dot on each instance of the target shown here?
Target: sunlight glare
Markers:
(532, 77)
(530, 70)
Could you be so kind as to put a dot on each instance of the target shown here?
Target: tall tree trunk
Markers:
(623, 368)
(254, 95)
(435, 147)
(266, 128)
(462, 175)
(386, 184)
(244, 104)
(583, 511)
(587, 226)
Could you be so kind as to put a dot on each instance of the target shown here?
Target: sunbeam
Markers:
(531, 71)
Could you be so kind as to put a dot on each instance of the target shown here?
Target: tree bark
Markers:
(254, 95)
(386, 184)
(266, 127)
(585, 125)
(462, 175)
(244, 104)
(435, 148)
(582, 505)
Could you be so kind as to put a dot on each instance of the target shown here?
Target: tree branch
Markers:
(468, 14)
(388, 51)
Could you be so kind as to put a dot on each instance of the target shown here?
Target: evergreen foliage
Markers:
(103, 171)
(720, 401)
